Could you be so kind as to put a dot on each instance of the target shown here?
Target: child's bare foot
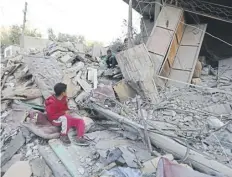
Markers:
(82, 142)
(65, 139)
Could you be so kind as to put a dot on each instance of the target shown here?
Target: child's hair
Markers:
(59, 88)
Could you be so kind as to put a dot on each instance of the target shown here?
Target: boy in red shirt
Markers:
(56, 108)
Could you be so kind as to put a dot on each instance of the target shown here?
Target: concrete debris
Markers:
(20, 169)
(134, 113)
(13, 160)
(39, 168)
(150, 166)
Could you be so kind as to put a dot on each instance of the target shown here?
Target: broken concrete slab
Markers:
(81, 97)
(113, 156)
(51, 73)
(150, 166)
(196, 81)
(72, 89)
(92, 76)
(198, 69)
(84, 84)
(13, 160)
(136, 66)
(72, 72)
(219, 109)
(13, 147)
(168, 168)
(21, 93)
(19, 169)
(53, 162)
(103, 92)
(39, 168)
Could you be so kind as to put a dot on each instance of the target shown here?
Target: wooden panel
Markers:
(185, 58)
(159, 41)
(193, 35)
(169, 17)
(187, 55)
(172, 52)
(180, 30)
(166, 70)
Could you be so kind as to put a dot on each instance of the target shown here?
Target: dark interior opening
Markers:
(213, 49)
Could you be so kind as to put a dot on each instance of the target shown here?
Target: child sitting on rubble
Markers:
(57, 112)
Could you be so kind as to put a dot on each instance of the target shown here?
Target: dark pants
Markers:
(111, 62)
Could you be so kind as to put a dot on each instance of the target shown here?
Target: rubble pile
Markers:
(129, 132)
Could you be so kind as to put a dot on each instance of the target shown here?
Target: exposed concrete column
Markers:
(157, 9)
(130, 35)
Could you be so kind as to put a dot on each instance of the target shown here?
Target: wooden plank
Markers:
(53, 162)
(165, 70)
(180, 29)
(19, 169)
(172, 52)
(13, 147)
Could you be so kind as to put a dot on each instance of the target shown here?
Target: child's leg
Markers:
(64, 122)
(79, 124)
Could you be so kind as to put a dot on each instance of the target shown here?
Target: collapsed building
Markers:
(164, 111)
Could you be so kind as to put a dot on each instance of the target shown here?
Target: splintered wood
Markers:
(136, 66)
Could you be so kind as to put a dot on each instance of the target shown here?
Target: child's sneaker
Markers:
(82, 142)
(65, 139)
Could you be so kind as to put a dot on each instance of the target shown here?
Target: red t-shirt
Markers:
(55, 107)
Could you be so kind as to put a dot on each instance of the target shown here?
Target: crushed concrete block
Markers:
(124, 91)
(13, 160)
(92, 76)
(81, 96)
(169, 113)
(13, 147)
(214, 122)
(40, 168)
(81, 170)
(84, 84)
(75, 68)
(19, 169)
(219, 109)
(196, 81)
(151, 165)
(198, 69)
(72, 90)
(72, 104)
(67, 58)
